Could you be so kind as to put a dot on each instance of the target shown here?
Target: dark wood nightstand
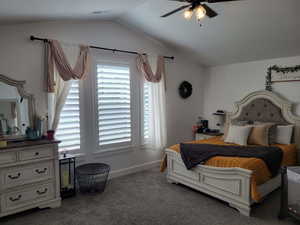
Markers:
(290, 188)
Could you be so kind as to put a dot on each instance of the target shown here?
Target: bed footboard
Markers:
(231, 185)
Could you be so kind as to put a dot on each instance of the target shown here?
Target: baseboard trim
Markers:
(134, 169)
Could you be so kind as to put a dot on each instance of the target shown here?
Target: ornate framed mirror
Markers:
(17, 108)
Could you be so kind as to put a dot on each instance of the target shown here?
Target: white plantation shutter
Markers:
(114, 113)
(68, 131)
(147, 110)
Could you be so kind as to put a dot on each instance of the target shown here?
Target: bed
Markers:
(233, 184)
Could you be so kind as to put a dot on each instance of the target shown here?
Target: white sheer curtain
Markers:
(56, 99)
(157, 120)
(157, 123)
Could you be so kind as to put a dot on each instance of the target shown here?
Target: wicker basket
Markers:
(92, 177)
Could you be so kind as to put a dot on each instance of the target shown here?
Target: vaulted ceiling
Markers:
(12, 11)
(245, 30)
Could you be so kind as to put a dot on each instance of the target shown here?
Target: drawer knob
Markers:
(37, 153)
(41, 171)
(42, 192)
(14, 177)
(15, 199)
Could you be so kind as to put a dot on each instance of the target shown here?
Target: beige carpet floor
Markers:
(146, 198)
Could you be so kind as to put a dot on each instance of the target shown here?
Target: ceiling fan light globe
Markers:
(188, 14)
(200, 12)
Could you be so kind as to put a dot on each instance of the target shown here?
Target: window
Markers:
(108, 111)
(114, 110)
(147, 110)
(68, 130)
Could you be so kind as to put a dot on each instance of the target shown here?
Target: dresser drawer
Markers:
(36, 153)
(7, 157)
(27, 196)
(26, 174)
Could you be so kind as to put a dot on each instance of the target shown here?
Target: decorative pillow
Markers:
(260, 134)
(284, 134)
(237, 123)
(238, 134)
(272, 131)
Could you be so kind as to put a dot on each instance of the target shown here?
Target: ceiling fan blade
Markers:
(216, 1)
(209, 11)
(175, 11)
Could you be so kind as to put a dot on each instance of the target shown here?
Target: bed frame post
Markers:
(244, 210)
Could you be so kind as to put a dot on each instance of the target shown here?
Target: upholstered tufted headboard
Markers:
(266, 106)
(262, 110)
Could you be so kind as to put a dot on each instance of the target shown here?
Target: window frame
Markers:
(76, 151)
(88, 98)
(144, 141)
(134, 106)
(122, 144)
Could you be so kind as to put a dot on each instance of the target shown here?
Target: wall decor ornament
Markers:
(281, 74)
(185, 89)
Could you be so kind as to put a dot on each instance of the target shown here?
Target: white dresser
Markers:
(29, 176)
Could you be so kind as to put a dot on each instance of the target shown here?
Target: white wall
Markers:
(22, 59)
(227, 84)
(183, 113)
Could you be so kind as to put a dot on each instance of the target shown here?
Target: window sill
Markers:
(114, 151)
(110, 151)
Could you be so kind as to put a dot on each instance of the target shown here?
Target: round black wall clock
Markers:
(185, 89)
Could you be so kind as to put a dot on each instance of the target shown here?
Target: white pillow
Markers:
(284, 134)
(238, 134)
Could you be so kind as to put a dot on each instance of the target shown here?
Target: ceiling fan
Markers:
(198, 7)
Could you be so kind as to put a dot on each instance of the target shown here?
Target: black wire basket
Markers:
(92, 177)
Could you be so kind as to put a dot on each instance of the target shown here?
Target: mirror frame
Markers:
(20, 87)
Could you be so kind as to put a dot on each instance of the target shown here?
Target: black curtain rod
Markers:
(96, 47)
